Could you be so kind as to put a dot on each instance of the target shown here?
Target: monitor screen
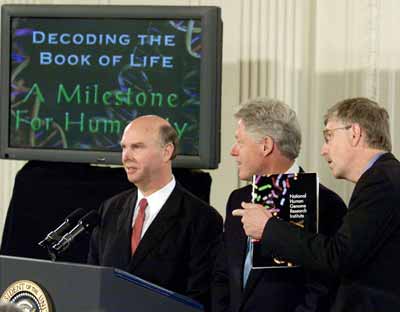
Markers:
(74, 76)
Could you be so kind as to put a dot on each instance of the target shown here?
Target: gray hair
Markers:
(372, 118)
(269, 117)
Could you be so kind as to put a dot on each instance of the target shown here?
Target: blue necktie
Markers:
(248, 262)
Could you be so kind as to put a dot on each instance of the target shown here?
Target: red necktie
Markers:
(137, 227)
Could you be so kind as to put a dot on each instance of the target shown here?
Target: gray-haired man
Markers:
(268, 141)
(364, 252)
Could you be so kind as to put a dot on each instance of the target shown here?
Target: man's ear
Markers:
(168, 151)
(357, 134)
(268, 145)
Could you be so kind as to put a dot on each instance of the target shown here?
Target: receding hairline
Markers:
(150, 122)
(151, 119)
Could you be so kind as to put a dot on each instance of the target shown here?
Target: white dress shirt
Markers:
(154, 204)
(294, 168)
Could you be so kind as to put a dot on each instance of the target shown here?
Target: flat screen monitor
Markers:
(73, 76)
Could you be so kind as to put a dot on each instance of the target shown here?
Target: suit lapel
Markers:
(122, 243)
(239, 252)
(252, 282)
(164, 220)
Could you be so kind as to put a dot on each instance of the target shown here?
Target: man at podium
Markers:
(157, 231)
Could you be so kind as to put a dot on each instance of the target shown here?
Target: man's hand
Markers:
(254, 218)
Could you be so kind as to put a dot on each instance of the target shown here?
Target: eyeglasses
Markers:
(328, 133)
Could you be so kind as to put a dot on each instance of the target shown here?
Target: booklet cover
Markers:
(291, 197)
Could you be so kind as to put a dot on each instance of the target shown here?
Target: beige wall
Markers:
(309, 53)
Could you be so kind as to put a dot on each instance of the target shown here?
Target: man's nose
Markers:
(125, 156)
(324, 149)
(233, 150)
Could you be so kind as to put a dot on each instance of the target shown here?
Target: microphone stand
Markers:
(52, 253)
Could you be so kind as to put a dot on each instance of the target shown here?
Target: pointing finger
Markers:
(238, 212)
(250, 205)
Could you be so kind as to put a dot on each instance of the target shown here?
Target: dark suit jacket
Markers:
(364, 253)
(176, 252)
(277, 290)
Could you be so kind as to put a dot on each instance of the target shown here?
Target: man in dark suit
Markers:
(268, 140)
(159, 231)
(364, 252)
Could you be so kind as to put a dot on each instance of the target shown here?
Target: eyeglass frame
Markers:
(330, 132)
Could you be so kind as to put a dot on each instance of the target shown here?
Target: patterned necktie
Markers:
(138, 226)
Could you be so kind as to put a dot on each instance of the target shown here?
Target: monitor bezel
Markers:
(210, 79)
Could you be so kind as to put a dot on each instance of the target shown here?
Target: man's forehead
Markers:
(240, 123)
(129, 138)
(240, 127)
(133, 135)
(333, 122)
(140, 126)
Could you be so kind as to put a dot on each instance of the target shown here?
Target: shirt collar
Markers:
(373, 160)
(294, 168)
(154, 203)
(159, 196)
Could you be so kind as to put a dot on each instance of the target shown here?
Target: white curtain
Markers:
(308, 53)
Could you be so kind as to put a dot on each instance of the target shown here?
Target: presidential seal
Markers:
(28, 296)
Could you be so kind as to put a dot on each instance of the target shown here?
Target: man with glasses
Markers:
(328, 133)
(364, 253)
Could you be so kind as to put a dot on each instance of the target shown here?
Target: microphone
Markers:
(86, 223)
(54, 236)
